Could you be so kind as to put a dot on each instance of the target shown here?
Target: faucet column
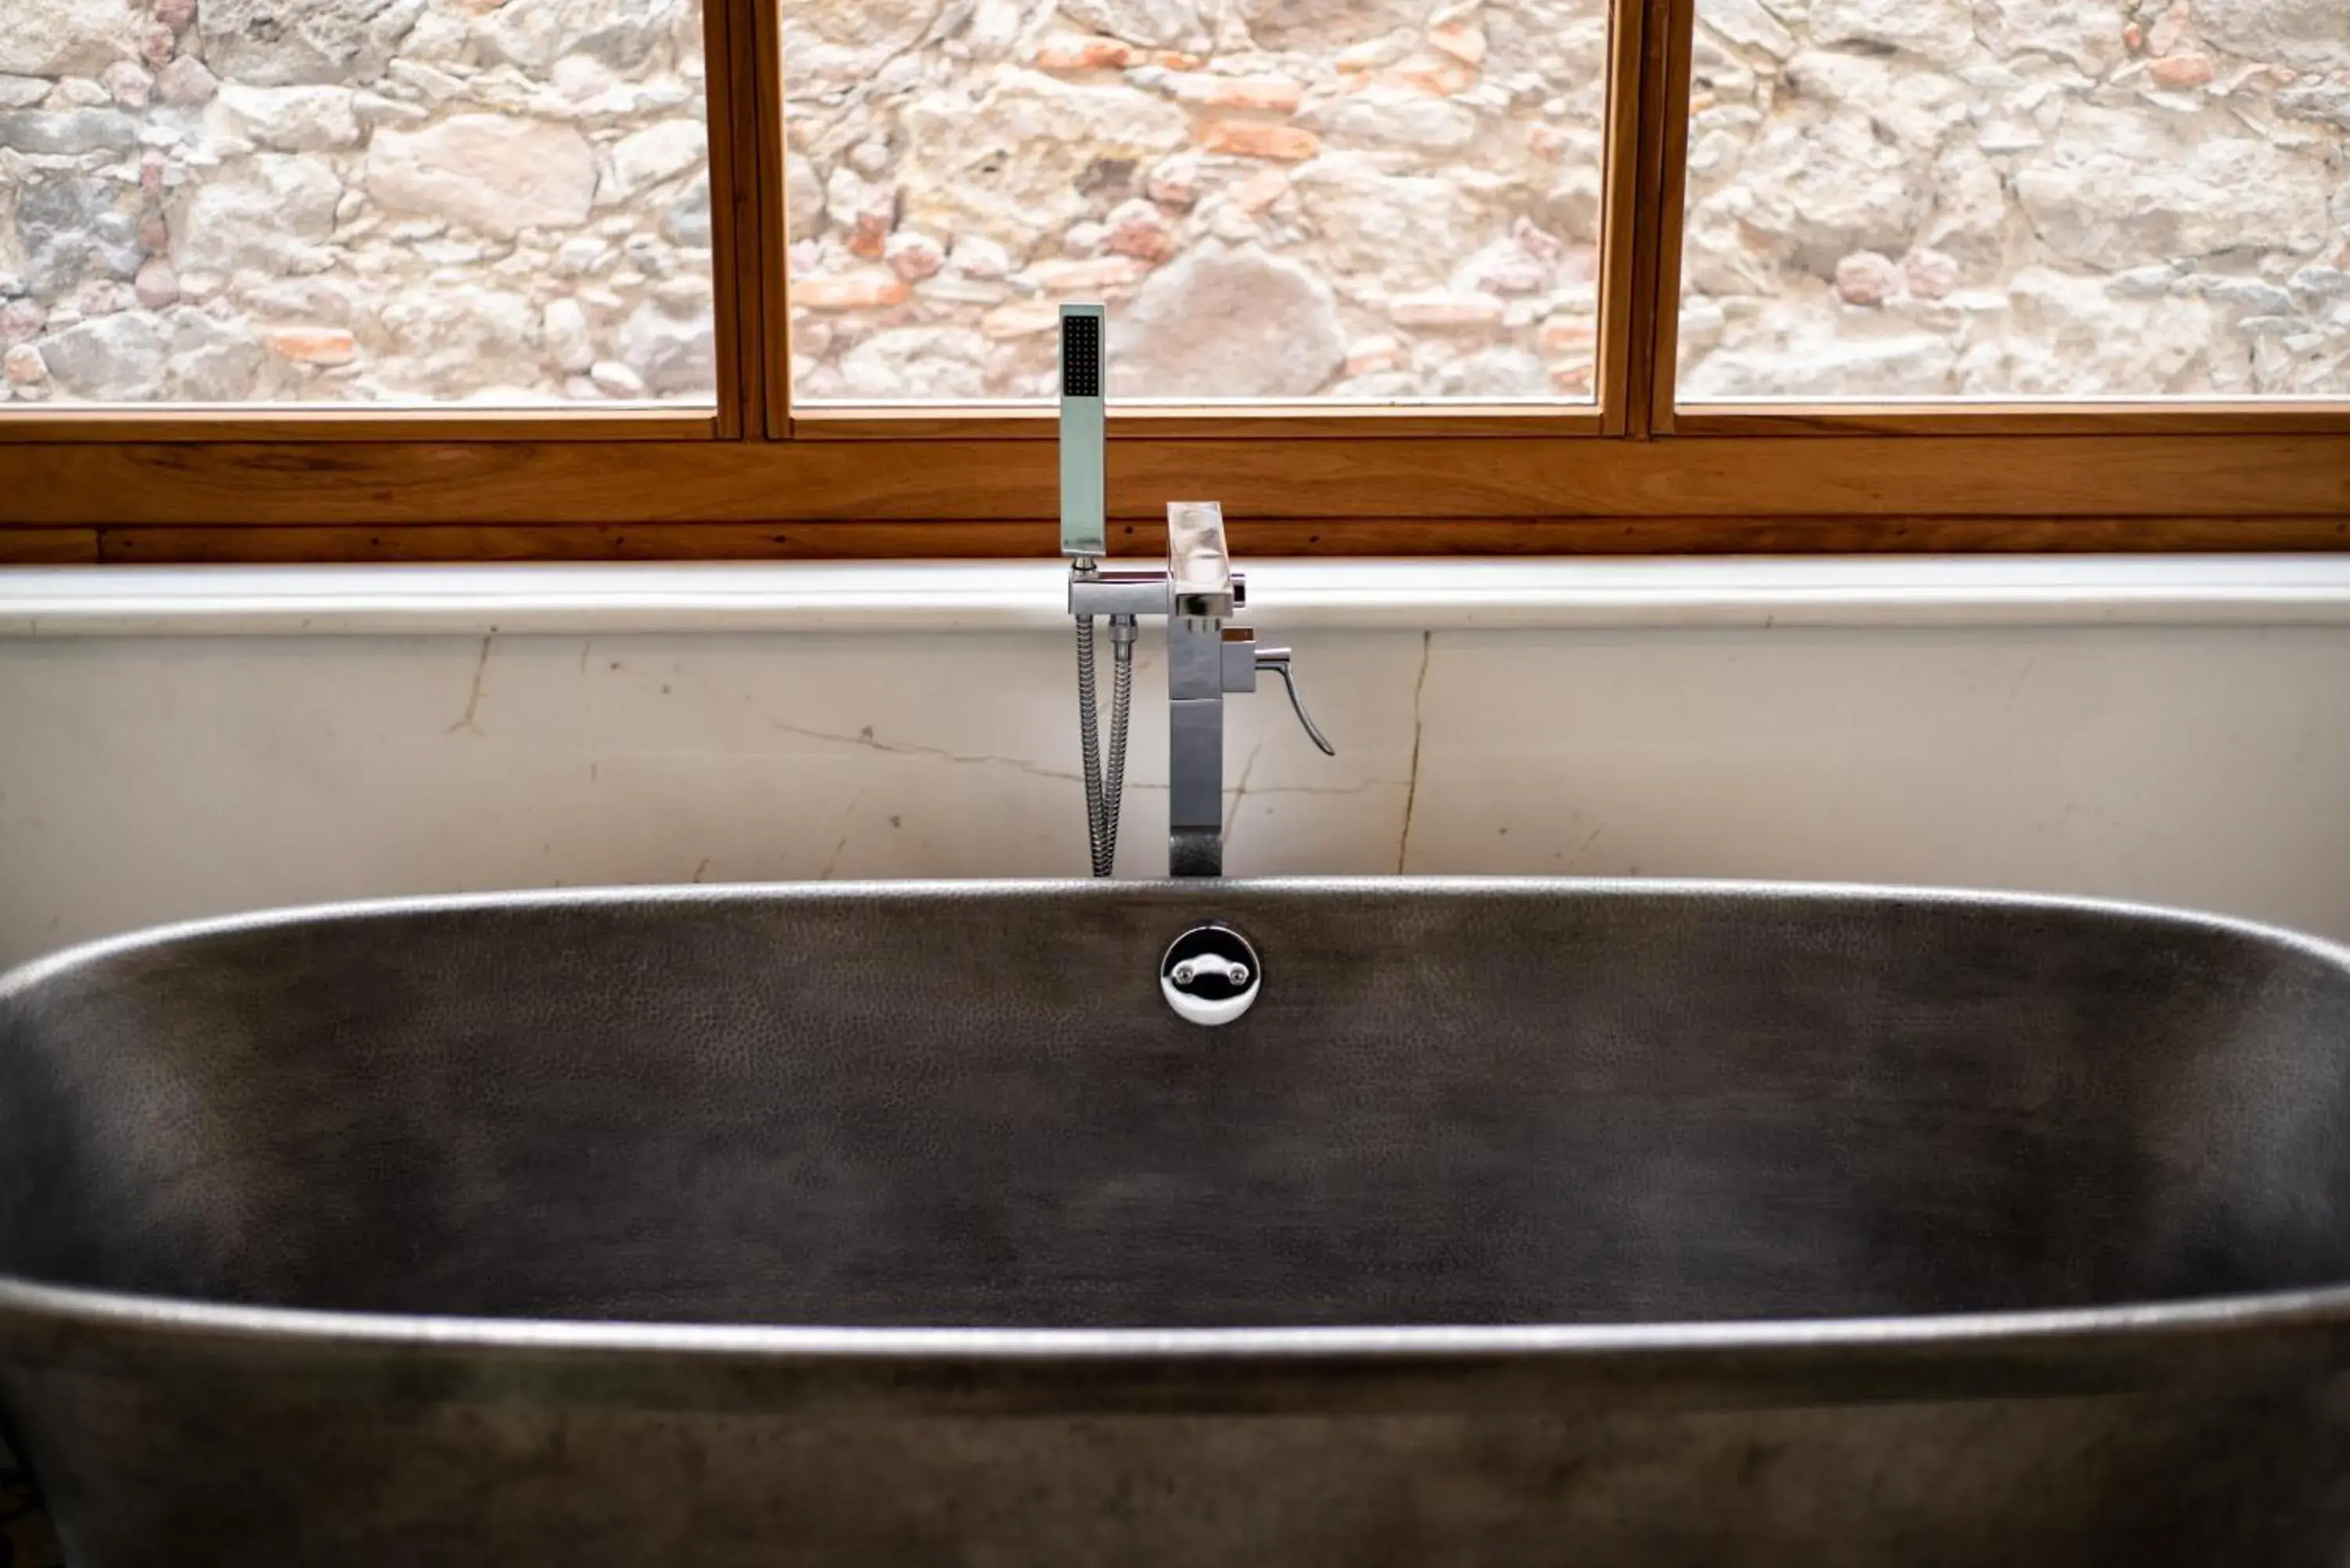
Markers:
(1201, 593)
(1195, 747)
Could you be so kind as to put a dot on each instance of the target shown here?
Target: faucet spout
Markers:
(1199, 561)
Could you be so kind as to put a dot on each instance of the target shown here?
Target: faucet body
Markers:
(1195, 747)
(1208, 658)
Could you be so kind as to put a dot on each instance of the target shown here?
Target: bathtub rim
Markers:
(923, 889)
(2220, 1345)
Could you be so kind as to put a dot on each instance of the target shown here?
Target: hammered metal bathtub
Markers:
(1521, 1223)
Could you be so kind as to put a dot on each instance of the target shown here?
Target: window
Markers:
(579, 279)
(1380, 201)
(1937, 198)
(380, 202)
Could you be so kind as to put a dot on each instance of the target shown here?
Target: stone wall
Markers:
(2019, 198)
(360, 201)
(508, 200)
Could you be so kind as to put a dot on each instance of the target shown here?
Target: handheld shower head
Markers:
(1084, 458)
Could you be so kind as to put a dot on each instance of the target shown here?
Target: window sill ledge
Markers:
(1026, 595)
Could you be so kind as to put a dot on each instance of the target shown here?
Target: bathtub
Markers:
(1518, 1222)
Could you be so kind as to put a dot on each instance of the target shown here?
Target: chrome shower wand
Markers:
(1085, 459)
(1085, 539)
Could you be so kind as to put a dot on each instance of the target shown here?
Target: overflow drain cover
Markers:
(1211, 975)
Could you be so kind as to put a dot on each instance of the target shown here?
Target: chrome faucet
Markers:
(1207, 657)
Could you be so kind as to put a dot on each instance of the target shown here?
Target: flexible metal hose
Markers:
(1121, 708)
(1090, 744)
(1104, 793)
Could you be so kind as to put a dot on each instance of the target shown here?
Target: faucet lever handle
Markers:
(1277, 662)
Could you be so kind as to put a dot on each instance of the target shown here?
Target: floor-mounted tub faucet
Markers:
(1207, 657)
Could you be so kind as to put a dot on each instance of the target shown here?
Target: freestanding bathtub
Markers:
(1520, 1223)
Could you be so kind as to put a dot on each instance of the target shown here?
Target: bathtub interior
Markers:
(888, 1107)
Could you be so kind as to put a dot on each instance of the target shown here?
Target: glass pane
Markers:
(395, 202)
(1379, 199)
(1998, 199)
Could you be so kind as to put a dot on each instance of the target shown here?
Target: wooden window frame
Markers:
(1633, 474)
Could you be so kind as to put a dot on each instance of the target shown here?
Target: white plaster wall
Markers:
(150, 778)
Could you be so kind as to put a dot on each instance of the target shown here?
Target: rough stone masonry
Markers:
(508, 200)
(1280, 199)
(393, 201)
(2019, 198)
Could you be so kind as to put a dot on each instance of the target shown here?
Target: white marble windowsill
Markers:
(990, 596)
